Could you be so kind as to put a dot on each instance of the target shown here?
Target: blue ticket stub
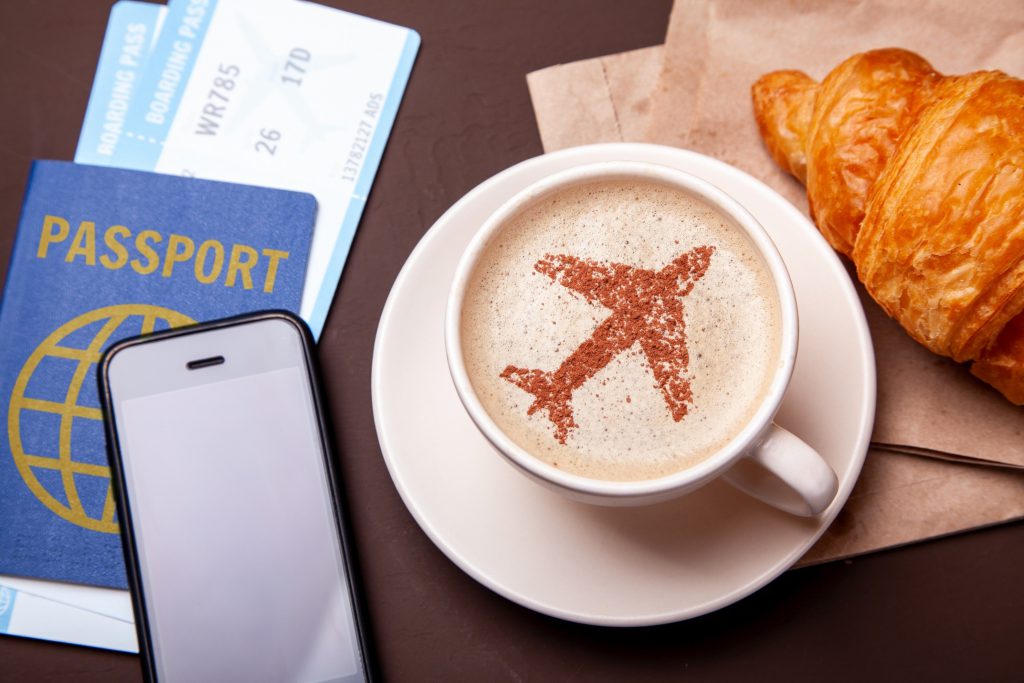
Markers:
(7, 598)
(131, 35)
(279, 93)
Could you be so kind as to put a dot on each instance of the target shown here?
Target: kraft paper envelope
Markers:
(899, 498)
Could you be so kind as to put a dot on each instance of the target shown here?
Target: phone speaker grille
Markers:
(201, 363)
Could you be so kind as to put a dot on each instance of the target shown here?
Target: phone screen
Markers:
(237, 544)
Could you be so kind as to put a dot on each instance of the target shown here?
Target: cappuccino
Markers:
(621, 329)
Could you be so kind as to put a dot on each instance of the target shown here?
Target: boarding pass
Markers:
(280, 93)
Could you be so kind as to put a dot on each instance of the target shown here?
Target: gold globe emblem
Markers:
(70, 409)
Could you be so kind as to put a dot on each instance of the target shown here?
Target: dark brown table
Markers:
(951, 609)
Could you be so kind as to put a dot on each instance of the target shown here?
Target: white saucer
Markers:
(613, 566)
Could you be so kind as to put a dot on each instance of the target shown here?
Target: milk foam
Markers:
(514, 315)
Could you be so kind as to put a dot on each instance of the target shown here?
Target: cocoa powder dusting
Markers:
(647, 309)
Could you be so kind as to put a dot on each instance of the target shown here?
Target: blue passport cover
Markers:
(102, 254)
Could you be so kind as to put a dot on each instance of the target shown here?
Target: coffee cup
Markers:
(624, 333)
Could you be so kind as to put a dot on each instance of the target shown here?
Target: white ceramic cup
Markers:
(762, 459)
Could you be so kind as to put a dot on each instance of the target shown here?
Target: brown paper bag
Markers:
(898, 499)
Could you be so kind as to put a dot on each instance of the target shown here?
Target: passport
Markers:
(102, 254)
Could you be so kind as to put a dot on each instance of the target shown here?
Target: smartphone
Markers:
(230, 515)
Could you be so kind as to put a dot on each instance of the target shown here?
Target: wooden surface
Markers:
(951, 609)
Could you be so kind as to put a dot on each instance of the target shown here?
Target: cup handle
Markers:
(786, 473)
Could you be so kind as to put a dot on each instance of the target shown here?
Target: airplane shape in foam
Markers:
(647, 309)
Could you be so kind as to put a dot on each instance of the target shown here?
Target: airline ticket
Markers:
(281, 93)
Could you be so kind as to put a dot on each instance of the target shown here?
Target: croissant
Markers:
(919, 179)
